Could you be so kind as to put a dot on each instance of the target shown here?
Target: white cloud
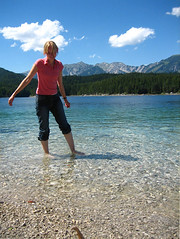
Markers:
(33, 35)
(76, 39)
(175, 12)
(132, 37)
(178, 41)
(79, 39)
(14, 44)
(94, 55)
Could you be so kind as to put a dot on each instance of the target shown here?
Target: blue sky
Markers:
(134, 32)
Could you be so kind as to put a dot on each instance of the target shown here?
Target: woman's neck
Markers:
(51, 62)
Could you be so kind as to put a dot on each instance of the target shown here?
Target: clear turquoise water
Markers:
(129, 141)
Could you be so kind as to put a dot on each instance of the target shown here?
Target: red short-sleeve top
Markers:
(47, 76)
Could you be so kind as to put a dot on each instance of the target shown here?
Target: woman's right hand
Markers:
(11, 99)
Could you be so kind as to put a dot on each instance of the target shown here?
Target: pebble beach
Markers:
(51, 209)
(126, 217)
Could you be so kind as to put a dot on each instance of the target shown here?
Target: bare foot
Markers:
(78, 153)
(49, 156)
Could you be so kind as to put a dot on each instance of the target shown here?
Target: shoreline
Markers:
(127, 94)
(92, 95)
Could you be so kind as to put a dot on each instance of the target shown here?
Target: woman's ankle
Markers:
(45, 146)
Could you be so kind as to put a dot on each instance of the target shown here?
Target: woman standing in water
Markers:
(49, 71)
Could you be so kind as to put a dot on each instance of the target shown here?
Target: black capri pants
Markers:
(53, 104)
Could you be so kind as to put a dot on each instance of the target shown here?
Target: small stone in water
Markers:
(31, 201)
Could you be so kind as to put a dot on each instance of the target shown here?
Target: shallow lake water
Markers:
(131, 146)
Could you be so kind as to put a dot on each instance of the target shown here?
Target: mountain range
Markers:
(169, 65)
(84, 79)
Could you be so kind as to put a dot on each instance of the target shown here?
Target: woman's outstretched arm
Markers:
(23, 84)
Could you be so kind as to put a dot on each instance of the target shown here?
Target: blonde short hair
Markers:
(52, 45)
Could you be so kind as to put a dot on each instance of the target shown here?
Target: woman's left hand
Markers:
(67, 104)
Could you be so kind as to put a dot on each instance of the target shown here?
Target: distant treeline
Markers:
(132, 83)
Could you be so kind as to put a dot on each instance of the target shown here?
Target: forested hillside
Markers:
(9, 82)
(132, 83)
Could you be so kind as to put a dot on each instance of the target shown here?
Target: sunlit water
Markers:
(131, 146)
